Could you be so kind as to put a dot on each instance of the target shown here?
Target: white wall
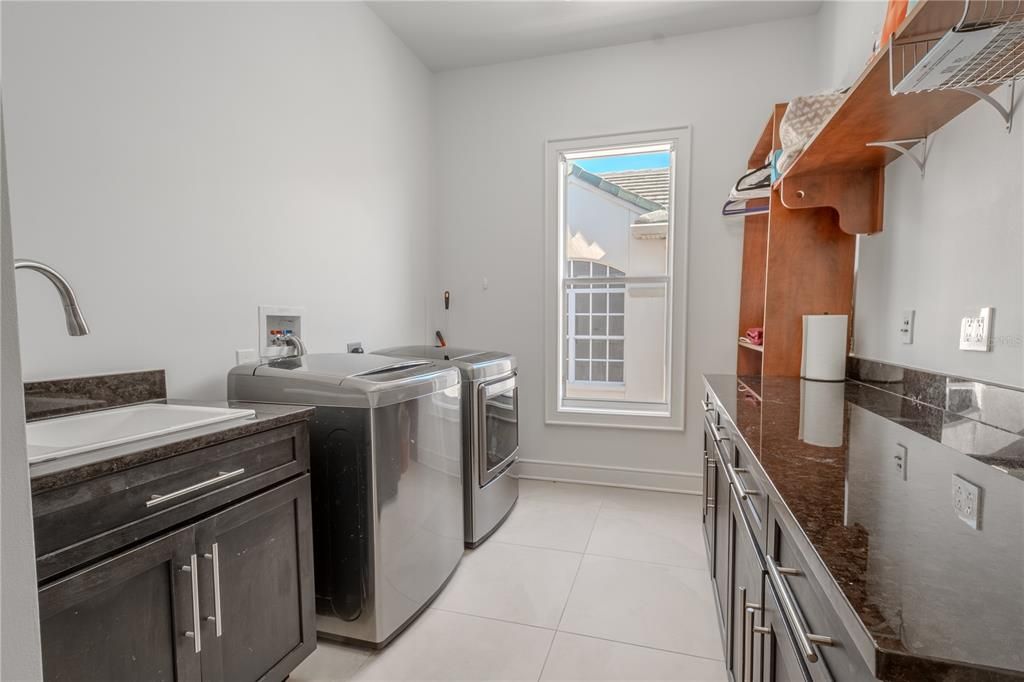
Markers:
(491, 124)
(20, 657)
(951, 241)
(182, 163)
(847, 31)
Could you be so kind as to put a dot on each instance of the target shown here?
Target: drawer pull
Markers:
(744, 493)
(734, 478)
(194, 634)
(805, 641)
(707, 406)
(715, 431)
(221, 476)
(717, 435)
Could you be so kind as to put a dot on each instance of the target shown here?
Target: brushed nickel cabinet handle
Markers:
(214, 554)
(221, 476)
(216, 588)
(805, 641)
(194, 634)
(707, 406)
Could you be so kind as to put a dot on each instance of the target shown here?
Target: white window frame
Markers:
(666, 416)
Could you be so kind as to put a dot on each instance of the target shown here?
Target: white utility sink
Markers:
(63, 436)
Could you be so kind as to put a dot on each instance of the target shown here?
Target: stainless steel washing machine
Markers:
(386, 474)
(490, 432)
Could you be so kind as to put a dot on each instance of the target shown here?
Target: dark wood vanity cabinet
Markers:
(766, 613)
(227, 595)
(124, 618)
(256, 580)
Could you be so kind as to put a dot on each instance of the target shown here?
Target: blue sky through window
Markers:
(608, 164)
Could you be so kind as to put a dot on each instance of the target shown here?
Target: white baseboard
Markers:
(619, 477)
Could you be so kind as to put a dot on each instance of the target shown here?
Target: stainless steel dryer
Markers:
(385, 445)
(490, 432)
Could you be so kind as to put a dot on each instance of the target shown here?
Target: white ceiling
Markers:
(450, 35)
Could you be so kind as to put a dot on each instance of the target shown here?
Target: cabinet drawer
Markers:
(811, 612)
(83, 522)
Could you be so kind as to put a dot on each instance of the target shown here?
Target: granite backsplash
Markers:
(61, 397)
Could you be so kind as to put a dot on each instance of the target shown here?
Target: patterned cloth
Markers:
(804, 117)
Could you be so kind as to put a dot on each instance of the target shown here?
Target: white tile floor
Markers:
(581, 583)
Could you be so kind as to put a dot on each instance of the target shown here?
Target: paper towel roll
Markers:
(824, 351)
(822, 407)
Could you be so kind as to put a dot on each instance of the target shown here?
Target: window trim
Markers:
(561, 411)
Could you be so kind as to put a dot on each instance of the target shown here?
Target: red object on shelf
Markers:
(894, 16)
(755, 335)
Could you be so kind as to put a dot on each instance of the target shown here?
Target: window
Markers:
(614, 218)
(595, 345)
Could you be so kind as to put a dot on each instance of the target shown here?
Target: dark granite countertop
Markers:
(867, 475)
(87, 465)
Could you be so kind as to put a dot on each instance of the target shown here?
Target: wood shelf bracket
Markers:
(857, 196)
(907, 148)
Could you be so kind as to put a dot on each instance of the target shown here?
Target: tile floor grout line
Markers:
(569, 595)
(493, 618)
(523, 544)
(590, 536)
(643, 646)
(518, 544)
(644, 561)
(648, 563)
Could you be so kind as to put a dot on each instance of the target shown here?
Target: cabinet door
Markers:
(708, 513)
(722, 540)
(747, 586)
(256, 571)
(127, 618)
(782, 661)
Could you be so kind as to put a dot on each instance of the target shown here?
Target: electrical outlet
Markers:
(246, 355)
(907, 327)
(901, 460)
(976, 332)
(967, 501)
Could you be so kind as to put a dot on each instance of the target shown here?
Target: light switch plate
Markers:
(907, 327)
(976, 332)
(967, 501)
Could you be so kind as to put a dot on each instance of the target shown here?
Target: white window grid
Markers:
(599, 332)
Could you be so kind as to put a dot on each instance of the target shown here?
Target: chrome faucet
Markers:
(295, 342)
(72, 314)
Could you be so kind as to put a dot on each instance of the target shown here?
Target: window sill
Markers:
(615, 419)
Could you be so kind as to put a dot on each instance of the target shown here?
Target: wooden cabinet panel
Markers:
(781, 662)
(124, 618)
(257, 578)
(80, 523)
(722, 539)
(709, 485)
(840, 661)
(747, 586)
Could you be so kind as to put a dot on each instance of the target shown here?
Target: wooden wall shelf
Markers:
(837, 169)
(798, 257)
(750, 346)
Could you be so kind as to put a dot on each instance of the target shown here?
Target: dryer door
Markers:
(499, 427)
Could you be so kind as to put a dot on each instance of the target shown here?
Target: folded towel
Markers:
(755, 335)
